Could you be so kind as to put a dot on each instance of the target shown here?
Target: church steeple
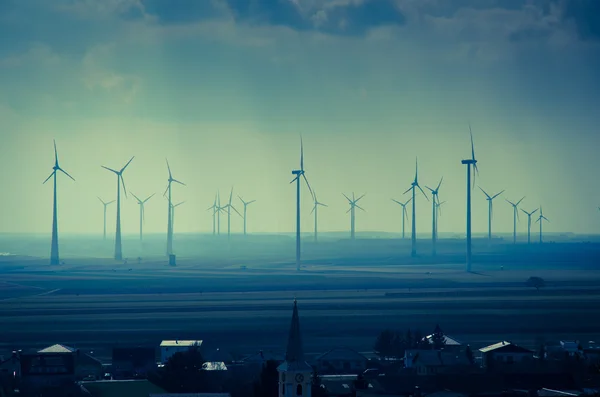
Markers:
(295, 374)
(294, 352)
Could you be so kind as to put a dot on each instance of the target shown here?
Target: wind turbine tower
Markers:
(214, 214)
(414, 185)
(170, 215)
(105, 205)
(435, 200)
(515, 217)
(120, 180)
(54, 257)
(541, 220)
(173, 215)
(490, 200)
(404, 213)
(229, 207)
(142, 212)
(353, 206)
(470, 162)
(246, 204)
(299, 173)
(438, 207)
(316, 210)
(529, 224)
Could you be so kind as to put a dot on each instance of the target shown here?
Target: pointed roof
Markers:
(294, 355)
(294, 351)
(58, 349)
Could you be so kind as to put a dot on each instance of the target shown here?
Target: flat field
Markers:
(240, 301)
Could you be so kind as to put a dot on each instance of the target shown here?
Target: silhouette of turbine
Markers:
(437, 217)
(470, 162)
(142, 211)
(173, 215)
(541, 220)
(105, 205)
(404, 213)
(214, 214)
(435, 198)
(490, 200)
(315, 210)
(229, 207)
(120, 180)
(352, 208)
(299, 173)
(529, 223)
(170, 215)
(515, 217)
(54, 257)
(414, 185)
(246, 204)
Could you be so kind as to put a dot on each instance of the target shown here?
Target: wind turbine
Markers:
(142, 212)
(353, 205)
(120, 180)
(299, 173)
(229, 207)
(438, 206)
(541, 220)
(413, 186)
(315, 210)
(529, 224)
(169, 217)
(515, 217)
(54, 258)
(470, 162)
(404, 213)
(246, 204)
(173, 215)
(214, 215)
(490, 200)
(105, 205)
(435, 199)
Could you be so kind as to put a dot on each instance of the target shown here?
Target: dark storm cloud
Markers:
(357, 19)
(180, 11)
(586, 15)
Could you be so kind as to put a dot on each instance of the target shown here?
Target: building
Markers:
(435, 362)
(85, 365)
(133, 362)
(47, 373)
(341, 361)
(10, 371)
(295, 374)
(504, 353)
(170, 347)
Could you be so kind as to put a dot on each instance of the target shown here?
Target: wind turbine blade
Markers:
(110, 202)
(127, 165)
(123, 182)
(169, 168)
(356, 201)
(55, 153)
(242, 200)
(543, 217)
(519, 202)
(439, 184)
(152, 195)
(424, 195)
(472, 145)
(359, 207)
(416, 169)
(237, 211)
(497, 195)
(231, 195)
(428, 188)
(524, 211)
(408, 201)
(110, 169)
(324, 205)
(408, 190)
(65, 172)
(51, 175)
(535, 211)
(347, 197)
(397, 202)
(301, 154)
(101, 200)
(308, 184)
(349, 210)
(177, 205)
(486, 195)
(250, 202)
(295, 179)
(511, 203)
(313, 210)
(181, 183)
(135, 197)
(166, 190)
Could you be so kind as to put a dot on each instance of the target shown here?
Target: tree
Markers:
(469, 354)
(316, 389)
(535, 282)
(384, 343)
(398, 345)
(409, 339)
(438, 340)
(268, 383)
(183, 373)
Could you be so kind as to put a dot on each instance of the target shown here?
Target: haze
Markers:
(224, 89)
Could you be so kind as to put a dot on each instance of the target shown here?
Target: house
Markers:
(435, 362)
(10, 371)
(133, 362)
(450, 343)
(85, 364)
(504, 352)
(128, 388)
(341, 361)
(170, 347)
(47, 373)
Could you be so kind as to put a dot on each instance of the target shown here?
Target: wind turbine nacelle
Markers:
(296, 172)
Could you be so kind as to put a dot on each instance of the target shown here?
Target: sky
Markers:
(225, 88)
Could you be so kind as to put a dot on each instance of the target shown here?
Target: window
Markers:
(299, 390)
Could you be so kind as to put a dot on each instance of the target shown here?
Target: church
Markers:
(295, 374)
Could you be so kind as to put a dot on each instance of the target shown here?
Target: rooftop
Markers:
(504, 347)
(449, 341)
(341, 353)
(172, 343)
(57, 349)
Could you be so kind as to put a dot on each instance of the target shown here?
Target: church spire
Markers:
(294, 352)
